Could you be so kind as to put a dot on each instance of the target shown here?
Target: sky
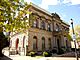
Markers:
(66, 9)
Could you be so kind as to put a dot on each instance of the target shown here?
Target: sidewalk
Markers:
(63, 58)
(17, 57)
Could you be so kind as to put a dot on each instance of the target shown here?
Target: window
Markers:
(35, 23)
(57, 28)
(43, 43)
(49, 43)
(23, 41)
(34, 42)
(49, 27)
(42, 25)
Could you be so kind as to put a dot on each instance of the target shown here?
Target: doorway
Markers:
(17, 42)
(58, 45)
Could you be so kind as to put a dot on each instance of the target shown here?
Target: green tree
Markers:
(77, 32)
(69, 37)
(13, 15)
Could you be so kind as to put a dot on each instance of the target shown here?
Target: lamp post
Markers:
(74, 39)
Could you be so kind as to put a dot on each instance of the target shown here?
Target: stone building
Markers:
(47, 32)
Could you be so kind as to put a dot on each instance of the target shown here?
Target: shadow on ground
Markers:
(5, 58)
(70, 54)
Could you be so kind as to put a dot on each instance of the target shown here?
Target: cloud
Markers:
(66, 1)
(46, 3)
(73, 2)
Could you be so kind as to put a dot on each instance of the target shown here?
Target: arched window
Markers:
(49, 27)
(35, 23)
(57, 27)
(23, 41)
(49, 43)
(43, 43)
(34, 42)
(42, 25)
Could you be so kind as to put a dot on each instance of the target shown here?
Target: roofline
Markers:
(65, 23)
(48, 13)
(41, 9)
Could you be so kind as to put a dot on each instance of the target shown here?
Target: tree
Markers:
(69, 37)
(77, 32)
(13, 17)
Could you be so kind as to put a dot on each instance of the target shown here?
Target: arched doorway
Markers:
(23, 41)
(34, 43)
(58, 44)
(43, 43)
(49, 43)
(17, 42)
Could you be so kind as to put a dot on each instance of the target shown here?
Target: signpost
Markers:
(74, 39)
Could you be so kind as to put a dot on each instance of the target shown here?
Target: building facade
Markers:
(47, 32)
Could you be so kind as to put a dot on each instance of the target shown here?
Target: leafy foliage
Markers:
(13, 15)
(32, 54)
(45, 54)
(77, 32)
(69, 37)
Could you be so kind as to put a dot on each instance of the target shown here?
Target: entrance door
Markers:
(17, 42)
(35, 43)
(67, 45)
(58, 45)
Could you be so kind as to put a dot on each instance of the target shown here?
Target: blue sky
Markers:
(66, 9)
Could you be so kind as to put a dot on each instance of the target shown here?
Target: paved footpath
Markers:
(16, 57)
(63, 58)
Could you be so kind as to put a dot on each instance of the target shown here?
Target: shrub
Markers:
(54, 51)
(45, 54)
(62, 50)
(39, 53)
(32, 54)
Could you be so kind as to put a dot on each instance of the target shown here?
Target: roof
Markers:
(47, 12)
(65, 23)
(41, 9)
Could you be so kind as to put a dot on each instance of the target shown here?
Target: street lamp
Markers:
(74, 39)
